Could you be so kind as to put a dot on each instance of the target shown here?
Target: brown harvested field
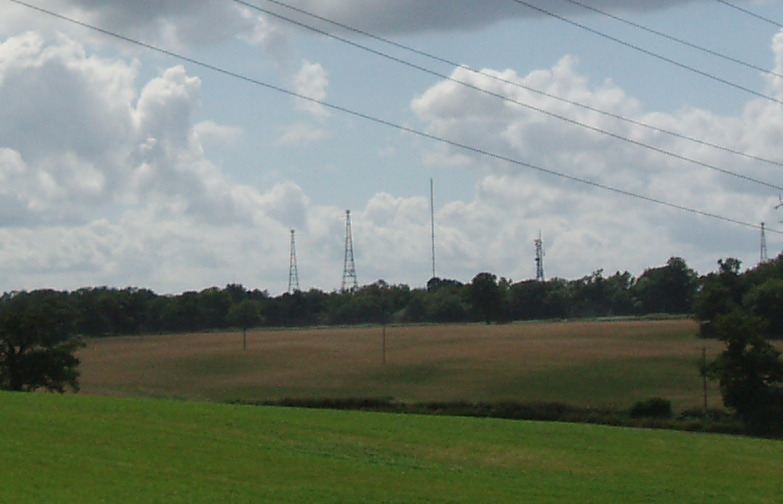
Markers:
(586, 363)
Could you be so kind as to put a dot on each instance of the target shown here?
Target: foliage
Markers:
(484, 295)
(106, 311)
(655, 407)
(245, 314)
(36, 351)
(750, 372)
(757, 291)
(668, 289)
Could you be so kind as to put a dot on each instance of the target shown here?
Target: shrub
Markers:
(652, 408)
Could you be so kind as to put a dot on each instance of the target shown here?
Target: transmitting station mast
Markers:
(763, 257)
(293, 272)
(539, 258)
(349, 268)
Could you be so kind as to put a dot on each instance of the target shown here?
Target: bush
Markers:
(652, 408)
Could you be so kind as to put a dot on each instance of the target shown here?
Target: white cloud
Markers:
(212, 133)
(272, 37)
(299, 134)
(311, 81)
(102, 182)
(167, 21)
(105, 180)
(600, 227)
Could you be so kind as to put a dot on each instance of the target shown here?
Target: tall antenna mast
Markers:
(539, 258)
(432, 224)
(763, 256)
(349, 268)
(293, 272)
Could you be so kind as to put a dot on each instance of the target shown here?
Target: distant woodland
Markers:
(670, 289)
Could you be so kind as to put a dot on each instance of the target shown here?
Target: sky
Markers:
(625, 132)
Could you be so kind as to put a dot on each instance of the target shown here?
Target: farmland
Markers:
(586, 363)
(81, 449)
(146, 448)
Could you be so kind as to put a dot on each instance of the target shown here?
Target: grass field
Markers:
(581, 363)
(85, 449)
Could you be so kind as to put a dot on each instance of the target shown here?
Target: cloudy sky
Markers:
(625, 134)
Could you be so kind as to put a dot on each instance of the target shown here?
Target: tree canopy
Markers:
(750, 372)
(672, 288)
(36, 348)
(757, 291)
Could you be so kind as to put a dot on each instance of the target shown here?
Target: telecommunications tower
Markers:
(539, 258)
(432, 225)
(763, 256)
(349, 268)
(293, 272)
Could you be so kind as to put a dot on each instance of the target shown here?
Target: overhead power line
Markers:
(508, 99)
(751, 13)
(674, 39)
(516, 84)
(384, 122)
(655, 55)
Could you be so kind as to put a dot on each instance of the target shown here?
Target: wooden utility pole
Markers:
(704, 376)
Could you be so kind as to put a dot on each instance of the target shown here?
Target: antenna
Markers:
(539, 258)
(293, 272)
(349, 268)
(763, 256)
(432, 224)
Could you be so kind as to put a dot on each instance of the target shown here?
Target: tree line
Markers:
(107, 311)
(673, 288)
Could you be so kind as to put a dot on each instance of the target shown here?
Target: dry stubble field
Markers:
(588, 363)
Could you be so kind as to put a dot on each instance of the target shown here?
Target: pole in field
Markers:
(704, 376)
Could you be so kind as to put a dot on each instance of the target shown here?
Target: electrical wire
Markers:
(516, 84)
(674, 39)
(505, 98)
(384, 122)
(650, 53)
(751, 13)
(522, 86)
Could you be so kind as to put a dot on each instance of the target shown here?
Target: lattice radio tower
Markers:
(763, 257)
(293, 272)
(349, 268)
(539, 258)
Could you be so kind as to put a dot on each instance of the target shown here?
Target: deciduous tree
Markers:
(750, 372)
(245, 314)
(37, 350)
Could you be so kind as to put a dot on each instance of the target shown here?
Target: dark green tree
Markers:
(484, 295)
(590, 296)
(214, 304)
(766, 301)
(244, 315)
(668, 289)
(37, 350)
(750, 372)
(720, 294)
(527, 300)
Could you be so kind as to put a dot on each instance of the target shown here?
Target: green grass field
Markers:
(594, 364)
(81, 449)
